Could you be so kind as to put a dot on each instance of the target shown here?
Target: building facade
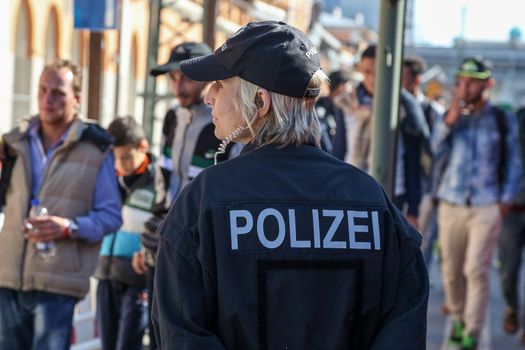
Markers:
(508, 59)
(35, 32)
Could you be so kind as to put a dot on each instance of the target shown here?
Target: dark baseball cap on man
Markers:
(475, 67)
(338, 77)
(179, 53)
(273, 55)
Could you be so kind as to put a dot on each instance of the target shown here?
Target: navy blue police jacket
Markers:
(288, 248)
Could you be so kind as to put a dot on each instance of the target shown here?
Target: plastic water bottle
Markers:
(45, 249)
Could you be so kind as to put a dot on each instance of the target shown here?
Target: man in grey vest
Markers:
(64, 163)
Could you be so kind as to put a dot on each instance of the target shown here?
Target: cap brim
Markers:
(165, 68)
(205, 68)
(475, 75)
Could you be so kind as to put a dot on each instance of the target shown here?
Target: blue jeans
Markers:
(150, 274)
(121, 315)
(35, 320)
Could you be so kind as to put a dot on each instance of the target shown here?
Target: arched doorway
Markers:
(22, 65)
(51, 48)
(78, 57)
(132, 81)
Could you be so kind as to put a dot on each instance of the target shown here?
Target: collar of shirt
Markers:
(35, 136)
(39, 156)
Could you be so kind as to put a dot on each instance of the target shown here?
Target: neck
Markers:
(51, 133)
(479, 105)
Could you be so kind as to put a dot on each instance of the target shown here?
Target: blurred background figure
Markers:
(413, 68)
(332, 117)
(121, 292)
(412, 136)
(65, 163)
(188, 146)
(188, 142)
(511, 243)
(479, 143)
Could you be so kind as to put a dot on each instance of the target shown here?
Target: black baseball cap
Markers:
(475, 67)
(269, 54)
(179, 53)
(338, 77)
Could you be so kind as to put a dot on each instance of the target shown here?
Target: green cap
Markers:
(474, 67)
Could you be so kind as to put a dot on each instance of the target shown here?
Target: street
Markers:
(492, 337)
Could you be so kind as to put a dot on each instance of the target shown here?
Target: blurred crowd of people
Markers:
(458, 177)
(458, 181)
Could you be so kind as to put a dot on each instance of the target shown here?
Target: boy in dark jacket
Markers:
(121, 292)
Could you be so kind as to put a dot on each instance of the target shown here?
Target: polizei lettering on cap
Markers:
(319, 229)
(311, 52)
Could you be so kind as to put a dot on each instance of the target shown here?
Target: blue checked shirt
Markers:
(471, 149)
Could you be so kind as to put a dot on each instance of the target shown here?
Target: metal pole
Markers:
(95, 71)
(208, 22)
(151, 61)
(119, 43)
(389, 57)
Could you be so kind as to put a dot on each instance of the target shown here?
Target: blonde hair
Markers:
(73, 68)
(291, 120)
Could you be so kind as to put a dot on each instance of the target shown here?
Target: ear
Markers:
(263, 102)
(417, 80)
(78, 99)
(490, 83)
(144, 145)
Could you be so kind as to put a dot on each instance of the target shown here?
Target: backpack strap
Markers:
(520, 116)
(501, 123)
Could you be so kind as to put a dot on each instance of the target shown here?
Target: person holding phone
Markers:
(480, 179)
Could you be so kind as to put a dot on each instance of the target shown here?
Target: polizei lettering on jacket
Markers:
(286, 228)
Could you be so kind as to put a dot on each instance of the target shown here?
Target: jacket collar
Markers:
(21, 132)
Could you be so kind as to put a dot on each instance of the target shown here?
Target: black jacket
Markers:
(139, 202)
(288, 248)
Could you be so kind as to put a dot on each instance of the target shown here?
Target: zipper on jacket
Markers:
(24, 249)
(22, 265)
(44, 176)
(179, 185)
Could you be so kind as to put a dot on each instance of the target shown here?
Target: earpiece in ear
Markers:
(259, 102)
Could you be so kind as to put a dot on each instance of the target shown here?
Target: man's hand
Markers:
(138, 262)
(453, 114)
(504, 209)
(45, 228)
(458, 107)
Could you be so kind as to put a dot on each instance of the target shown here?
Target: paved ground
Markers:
(492, 338)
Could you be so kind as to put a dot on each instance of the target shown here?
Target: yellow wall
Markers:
(133, 46)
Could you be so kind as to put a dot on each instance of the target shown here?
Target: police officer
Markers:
(285, 246)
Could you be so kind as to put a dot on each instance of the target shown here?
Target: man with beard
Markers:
(61, 161)
(481, 177)
(188, 146)
(413, 68)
